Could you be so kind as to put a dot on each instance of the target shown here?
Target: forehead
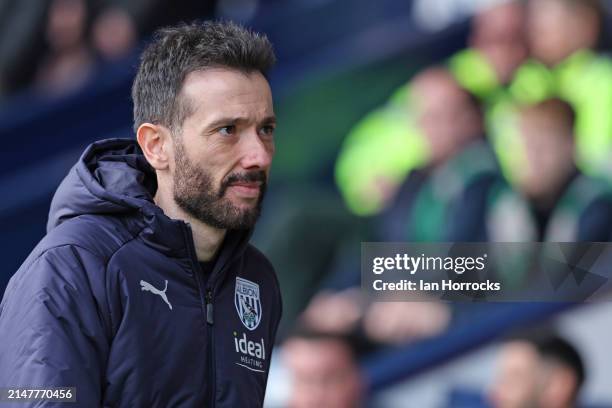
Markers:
(432, 87)
(517, 355)
(227, 92)
(318, 355)
(541, 8)
(505, 16)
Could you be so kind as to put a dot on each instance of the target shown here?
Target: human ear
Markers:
(155, 144)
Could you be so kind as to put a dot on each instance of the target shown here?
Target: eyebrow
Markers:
(225, 121)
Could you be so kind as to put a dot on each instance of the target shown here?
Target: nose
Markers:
(257, 152)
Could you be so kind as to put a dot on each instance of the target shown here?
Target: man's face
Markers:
(556, 30)
(446, 126)
(324, 374)
(223, 154)
(549, 150)
(517, 384)
(498, 33)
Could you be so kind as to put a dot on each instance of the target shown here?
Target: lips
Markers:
(246, 189)
(245, 185)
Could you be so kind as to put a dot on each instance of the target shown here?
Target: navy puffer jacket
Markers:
(113, 300)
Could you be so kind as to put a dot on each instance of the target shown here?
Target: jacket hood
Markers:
(112, 177)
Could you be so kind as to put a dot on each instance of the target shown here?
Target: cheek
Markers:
(267, 143)
(271, 150)
(218, 163)
(219, 175)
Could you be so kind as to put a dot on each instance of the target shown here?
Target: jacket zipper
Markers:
(207, 306)
(211, 344)
(210, 319)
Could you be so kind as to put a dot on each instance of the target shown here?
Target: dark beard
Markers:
(195, 194)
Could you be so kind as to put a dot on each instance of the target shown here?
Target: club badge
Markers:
(248, 303)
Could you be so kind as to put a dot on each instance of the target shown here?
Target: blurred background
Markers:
(413, 120)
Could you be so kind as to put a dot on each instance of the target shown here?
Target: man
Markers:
(557, 29)
(563, 36)
(324, 371)
(454, 197)
(385, 146)
(567, 205)
(457, 197)
(546, 372)
(497, 47)
(145, 291)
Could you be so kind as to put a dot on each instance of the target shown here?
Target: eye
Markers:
(267, 130)
(227, 130)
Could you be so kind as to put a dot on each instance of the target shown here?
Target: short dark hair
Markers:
(557, 349)
(356, 345)
(179, 50)
(552, 347)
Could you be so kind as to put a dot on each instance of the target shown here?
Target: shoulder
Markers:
(69, 265)
(77, 250)
(64, 274)
(100, 235)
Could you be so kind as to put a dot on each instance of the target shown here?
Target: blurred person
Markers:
(538, 373)
(460, 196)
(547, 134)
(375, 324)
(113, 33)
(69, 60)
(498, 32)
(567, 205)
(497, 47)
(559, 28)
(396, 323)
(324, 371)
(377, 155)
(563, 37)
(145, 292)
(445, 114)
(21, 42)
(455, 195)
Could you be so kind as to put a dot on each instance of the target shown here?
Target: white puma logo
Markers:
(147, 286)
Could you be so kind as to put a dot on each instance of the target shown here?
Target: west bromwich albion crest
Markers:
(248, 304)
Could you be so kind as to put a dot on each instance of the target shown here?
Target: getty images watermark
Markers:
(494, 272)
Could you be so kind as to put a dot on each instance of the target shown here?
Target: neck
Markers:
(206, 239)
